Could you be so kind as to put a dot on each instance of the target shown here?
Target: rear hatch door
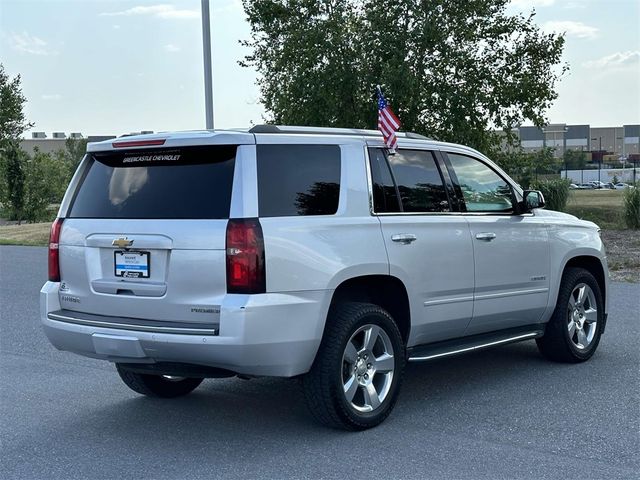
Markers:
(144, 235)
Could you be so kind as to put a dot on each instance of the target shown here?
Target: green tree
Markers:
(13, 123)
(454, 70)
(518, 164)
(544, 162)
(74, 150)
(525, 167)
(45, 183)
(12, 168)
(556, 192)
(574, 159)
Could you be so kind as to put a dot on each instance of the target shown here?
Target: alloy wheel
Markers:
(368, 366)
(582, 322)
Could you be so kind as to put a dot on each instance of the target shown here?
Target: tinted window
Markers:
(419, 181)
(482, 188)
(385, 198)
(298, 180)
(192, 182)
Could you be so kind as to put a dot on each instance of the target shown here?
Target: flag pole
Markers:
(388, 123)
(206, 52)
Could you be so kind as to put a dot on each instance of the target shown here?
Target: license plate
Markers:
(132, 264)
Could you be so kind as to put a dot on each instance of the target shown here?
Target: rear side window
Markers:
(298, 180)
(419, 181)
(385, 195)
(184, 183)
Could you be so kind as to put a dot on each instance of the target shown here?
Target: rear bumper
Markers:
(271, 334)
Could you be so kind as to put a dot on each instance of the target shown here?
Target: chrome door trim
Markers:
(433, 148)
(444, 301)
(513, 293)
(470, 214)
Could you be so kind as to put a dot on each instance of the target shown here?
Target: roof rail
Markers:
(329, 131)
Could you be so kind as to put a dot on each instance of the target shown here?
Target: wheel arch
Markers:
(592, 261)
(594, 266)
(386, 291)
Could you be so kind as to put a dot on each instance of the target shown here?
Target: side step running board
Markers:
(422, 353)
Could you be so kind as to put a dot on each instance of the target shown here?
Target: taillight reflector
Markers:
(245, 256)
(54, 256)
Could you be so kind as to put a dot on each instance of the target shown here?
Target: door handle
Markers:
(487, 236)
(405, 238)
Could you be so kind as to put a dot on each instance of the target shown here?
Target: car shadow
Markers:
(262, 406)
(235, 422)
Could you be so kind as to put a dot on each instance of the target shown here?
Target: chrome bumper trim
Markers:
(119, 325)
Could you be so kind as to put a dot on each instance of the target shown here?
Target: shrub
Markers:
(632, 207)
(556, 192)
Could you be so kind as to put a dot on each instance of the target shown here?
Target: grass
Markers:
(603, 207)
(34, 234)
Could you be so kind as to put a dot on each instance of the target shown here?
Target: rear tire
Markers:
(355, 379)
(157, 385)
(573, 332)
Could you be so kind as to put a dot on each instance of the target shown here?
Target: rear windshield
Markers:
(191, 182)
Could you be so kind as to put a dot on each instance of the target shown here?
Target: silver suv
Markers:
(311, 253)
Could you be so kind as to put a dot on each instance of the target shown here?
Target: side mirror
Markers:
(532, 199)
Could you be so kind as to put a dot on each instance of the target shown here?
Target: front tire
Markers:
(355, 379)
(573, 332)
(162, 386)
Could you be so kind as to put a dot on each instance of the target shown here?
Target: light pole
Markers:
(622, 141)
(599, 157)
(206, 53)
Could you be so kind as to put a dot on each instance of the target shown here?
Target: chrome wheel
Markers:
(368, 365)
(582, 316)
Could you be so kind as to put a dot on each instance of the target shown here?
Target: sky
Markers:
(107, 67)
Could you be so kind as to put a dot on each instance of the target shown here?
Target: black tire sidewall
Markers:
(585, 277)
(156, 385)
(166, 388)
(378, 317)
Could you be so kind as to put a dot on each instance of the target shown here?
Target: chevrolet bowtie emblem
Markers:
(122, 242)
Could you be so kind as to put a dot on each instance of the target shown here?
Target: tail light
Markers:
(245, 256)
(54, 256)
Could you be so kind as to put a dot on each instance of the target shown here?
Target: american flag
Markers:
(388, 123)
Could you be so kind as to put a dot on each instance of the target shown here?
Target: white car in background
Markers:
(622, 186)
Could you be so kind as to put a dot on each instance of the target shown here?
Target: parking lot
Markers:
(503, 413)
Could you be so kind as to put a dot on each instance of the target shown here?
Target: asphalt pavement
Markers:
(501, 413)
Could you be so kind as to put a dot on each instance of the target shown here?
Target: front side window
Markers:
(482, 188)
(419, 181)
(296, 180)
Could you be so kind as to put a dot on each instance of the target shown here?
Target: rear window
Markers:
(298, 180)
(191, 182)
